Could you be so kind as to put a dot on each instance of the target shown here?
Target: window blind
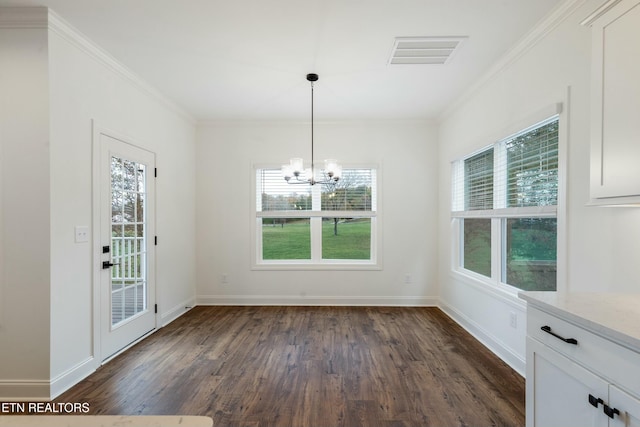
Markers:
(478, 181)
(275, 194)
(514, 175)
(353, 192)
(532, 167)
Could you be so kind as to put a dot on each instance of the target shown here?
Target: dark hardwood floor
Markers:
(310, 366)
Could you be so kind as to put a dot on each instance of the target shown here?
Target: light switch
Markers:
(82, 234)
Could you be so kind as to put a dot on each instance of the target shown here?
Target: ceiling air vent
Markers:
(424, 50)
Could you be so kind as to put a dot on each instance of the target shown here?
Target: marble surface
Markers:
(104, 421)
(612, 316)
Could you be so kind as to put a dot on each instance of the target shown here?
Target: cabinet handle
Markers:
(595, 401)
(548, 330)
(610, 411)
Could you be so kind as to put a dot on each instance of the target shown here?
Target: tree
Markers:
(351, 193)
(127, 200)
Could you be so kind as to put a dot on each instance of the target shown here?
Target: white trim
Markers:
(44, 18)
(323, 265)
(493, 343)
(516, 212)
(525, 123)
(506, 294)
(177, 311)
(95, 233)
(73, 36)
(615, 202)
(530, 40)
(562, 258)
(498, 238)
(316, 262)
(128, 346)
(351, 301)
(98, 130)
(599, 12)
(316, 214)
(243, 123)
(72, 376)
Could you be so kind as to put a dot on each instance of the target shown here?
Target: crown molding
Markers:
(70, 34)
(305, 122)
(531, 39)
(44, 18)
(599, 12)
(23, 17)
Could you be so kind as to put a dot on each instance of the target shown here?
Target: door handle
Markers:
(108, 264)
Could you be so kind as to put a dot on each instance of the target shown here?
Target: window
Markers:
(303, 225)
(504, 202)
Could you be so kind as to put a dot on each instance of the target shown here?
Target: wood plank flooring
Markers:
(310, 366)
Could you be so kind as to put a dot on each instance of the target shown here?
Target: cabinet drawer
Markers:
(610, 360)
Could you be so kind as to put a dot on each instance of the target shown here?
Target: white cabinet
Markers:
(578, 378)
(560, 390)
(631, 417)
(615, 102)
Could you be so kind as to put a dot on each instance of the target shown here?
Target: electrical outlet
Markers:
(82, 234)
(513, 320)
(225, 278)
(407, 279)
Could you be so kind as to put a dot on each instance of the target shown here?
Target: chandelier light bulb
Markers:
(287, 172)
(337, 172)
(297, 165)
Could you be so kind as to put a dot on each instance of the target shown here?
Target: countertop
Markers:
(615, 317)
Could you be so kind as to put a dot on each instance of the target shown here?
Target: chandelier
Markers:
(295, 173)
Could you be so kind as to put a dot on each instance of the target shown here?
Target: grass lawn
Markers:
(287, 241)
(293, 241)
(353, 240)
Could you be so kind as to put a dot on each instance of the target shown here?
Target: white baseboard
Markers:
(72, 376)
(177, 311)
(408, 301)
(495, 345)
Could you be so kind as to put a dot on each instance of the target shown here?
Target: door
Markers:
(127, 282)
(628, 408)
(558, 390)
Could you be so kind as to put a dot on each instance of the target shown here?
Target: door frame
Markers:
(96, 255)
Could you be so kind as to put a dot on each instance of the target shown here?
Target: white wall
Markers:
(85, 87)
(405, 152)
(24, 199)
(53, 84)
(602, 247)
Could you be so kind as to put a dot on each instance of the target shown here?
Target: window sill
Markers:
(505, 293)
(306, 266)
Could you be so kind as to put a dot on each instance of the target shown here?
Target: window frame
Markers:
(500, 214)
(316, 216)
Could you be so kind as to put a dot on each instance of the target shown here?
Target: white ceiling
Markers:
(247, 59)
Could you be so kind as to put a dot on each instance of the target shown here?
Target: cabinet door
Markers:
(615, 153)
(558, 390)
(628, 406)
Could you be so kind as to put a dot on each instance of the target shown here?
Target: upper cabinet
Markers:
(615, 103)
